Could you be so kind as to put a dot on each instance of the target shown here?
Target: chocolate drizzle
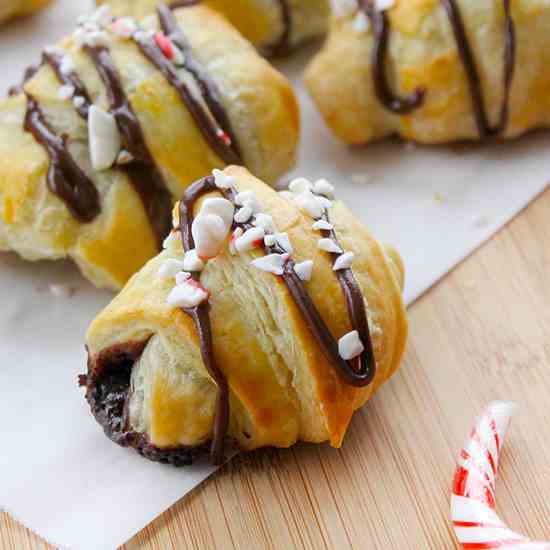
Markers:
(65, 178)
(482, 120)
(359, 372)
(282, 45)
(405, 105)
(142, 171)
(229, 153)
(392, 102)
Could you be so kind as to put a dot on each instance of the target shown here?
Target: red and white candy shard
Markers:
(475, 522)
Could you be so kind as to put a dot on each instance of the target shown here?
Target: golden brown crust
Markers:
(36, 223)
(283, 388)
(10, 9)
(423, 53)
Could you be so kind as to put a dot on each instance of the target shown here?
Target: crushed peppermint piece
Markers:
(272, 263)
(361, 23)
(235, 235)
(124, 27)
(187, 295)
(383, 5)
(324, 202)
(247, 198)
(209, 233)
(220, 206)
(224, 136)
(124, 157)
(169, 268)
(104, 138)
(265, 221)
(304, 270)
(94, 38)
(65, 92)
(172, 238)
(223, 181)
(250, 239)
(243, 214)
(324, 187)
(343, 8)
(181, 277)
(78, 101)
(284, 242)
(192, 262)
(322, 225)
(344, 261)
(328, 245)
(165, 45)
(310, 204)
(288, 195)
(66, 66)
(299, 185)
(350, 346)
(270, 240)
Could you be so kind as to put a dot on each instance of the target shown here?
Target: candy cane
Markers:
(475, 522)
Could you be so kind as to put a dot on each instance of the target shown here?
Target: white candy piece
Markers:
(328, 245)
(310, 204)
(324, 187)
(284, 242)
(270, 240)
(265, 221)
(272, 263)
(124, 27)
(324, 202)
(104, 138)
(181, 277)
(169, 268)
(361, 23)
(192, 262)
(220, 206)
(78, 101)
(124, 157)
(344, 261)
(209, 233)
(66, 66)
(383, 5)
(343, 8)
(249, 239)
(299, 185)
(65, 92)
(222, 180)
(322, 225)
(350, 346)
(186, 295)
(243, 214)
(236, 234)
(247, 198)
(304, 270)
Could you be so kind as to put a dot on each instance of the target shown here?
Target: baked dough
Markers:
(509, 51)
(274, 26)
(115, 234)
(147, 383)
(18, 8)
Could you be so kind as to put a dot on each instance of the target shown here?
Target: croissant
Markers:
(434, 71)
(18, 8)
(275, 26)
(283, 316)
(98, 144)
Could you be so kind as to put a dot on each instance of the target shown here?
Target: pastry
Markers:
(274, 26)
(118, 120)
(434, 71)
(18, 8)
(282, 318)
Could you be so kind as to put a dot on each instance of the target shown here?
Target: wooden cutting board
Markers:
(481, 334)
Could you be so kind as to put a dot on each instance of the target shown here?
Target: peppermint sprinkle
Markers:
(164, 44)
(350, 346)
(78, 101)
(304, 270)
(383, 5)
(65, 92)
(169, 268)
(250, 239)
(265, 221)
(272, 263)
(124, 157)
(236, 235)
(361, 23)
(343, 8)
(344, 261)
(299, 185)
(243, 214)
(209, 233)
(310, 204)
(322, 225)
(270, 240)
(220, 206)
(188, 294)
(224, 136)
(328, 245)
(284, 242)
(124, 27)
(181, 277)
(192, 262)
(67, 66)
(104, 138)
(222, 180)
(324, 187)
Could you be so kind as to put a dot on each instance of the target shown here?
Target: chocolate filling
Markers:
(408, 104)
(108, 391)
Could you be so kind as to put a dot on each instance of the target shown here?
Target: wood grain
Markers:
(481, 334)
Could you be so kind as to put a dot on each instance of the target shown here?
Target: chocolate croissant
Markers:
(269, 318)
(99, 143)
(19, 8)
(434, 71)
(275, 26)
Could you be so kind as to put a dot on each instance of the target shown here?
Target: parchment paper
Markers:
(59, 475)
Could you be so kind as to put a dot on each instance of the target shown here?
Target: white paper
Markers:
(59, 474)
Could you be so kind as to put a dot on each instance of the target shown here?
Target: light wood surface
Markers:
(481, 334)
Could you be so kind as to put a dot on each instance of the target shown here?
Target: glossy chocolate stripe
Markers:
(69, 79)
(392, 102)
(201, 317)
(65, 178)
(282, 45)
(230, 154)
(142, 171)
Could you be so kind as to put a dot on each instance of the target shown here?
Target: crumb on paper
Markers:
(481, 222)
(362, 178)
(439, 198)
(61, 290)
